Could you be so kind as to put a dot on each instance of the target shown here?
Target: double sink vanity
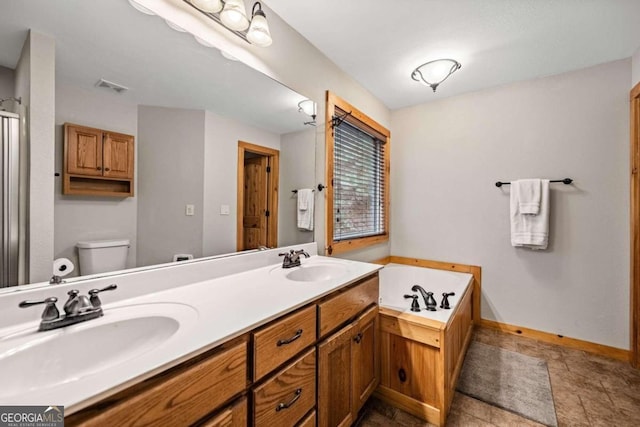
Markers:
(219, 342)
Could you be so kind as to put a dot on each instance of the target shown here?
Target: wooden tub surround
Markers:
(421, 358)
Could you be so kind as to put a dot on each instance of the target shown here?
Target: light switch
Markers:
(224, 210)
(190, 210)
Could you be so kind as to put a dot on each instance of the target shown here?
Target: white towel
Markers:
(527, 192)
(305, 209)
(530, 231)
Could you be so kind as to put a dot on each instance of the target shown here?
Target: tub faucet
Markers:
(429, 300)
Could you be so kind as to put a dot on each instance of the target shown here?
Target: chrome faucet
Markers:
(429, 300)
(292, 258)
(78, 308)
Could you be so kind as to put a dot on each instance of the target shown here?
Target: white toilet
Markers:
(102, 255)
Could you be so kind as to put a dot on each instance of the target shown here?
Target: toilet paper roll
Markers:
(62, 267)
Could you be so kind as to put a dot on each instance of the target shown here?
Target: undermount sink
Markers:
(315, 272)
(46, 359)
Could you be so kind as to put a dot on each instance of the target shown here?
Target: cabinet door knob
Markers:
(358, 338)
(99, 168)
(106, 169)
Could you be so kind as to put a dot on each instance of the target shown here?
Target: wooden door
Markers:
(255, 203)
(118, 155)
(334, 379)
(84, 150)
(365, 359)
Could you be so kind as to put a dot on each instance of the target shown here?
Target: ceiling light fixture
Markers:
(433, 73)
(308, 107)
(233, 16)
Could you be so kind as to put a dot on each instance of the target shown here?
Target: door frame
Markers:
(634, 316)
(272, 192)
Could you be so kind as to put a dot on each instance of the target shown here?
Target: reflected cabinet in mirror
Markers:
(218, 146)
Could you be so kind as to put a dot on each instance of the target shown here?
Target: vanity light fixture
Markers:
(233, 16)
(308, 107)
(433, 73)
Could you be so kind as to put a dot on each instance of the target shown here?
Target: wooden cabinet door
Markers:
(334, 379)
(118, 155)
(84, 150)
(366, 363)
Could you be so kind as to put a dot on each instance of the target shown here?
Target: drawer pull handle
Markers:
(292, 339)
(282, 406)
(358, 338)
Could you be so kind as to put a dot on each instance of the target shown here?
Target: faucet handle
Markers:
(50, 311)
(93, 293)
(415, 306)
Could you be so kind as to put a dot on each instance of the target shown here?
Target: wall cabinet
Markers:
(318, 364)
(97, 162)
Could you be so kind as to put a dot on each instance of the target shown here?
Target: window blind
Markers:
(358, 184)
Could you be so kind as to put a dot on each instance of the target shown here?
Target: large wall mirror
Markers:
(190, 109)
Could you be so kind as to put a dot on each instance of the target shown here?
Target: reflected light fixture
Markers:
(308, 107)
(433, 73)
(233, 15)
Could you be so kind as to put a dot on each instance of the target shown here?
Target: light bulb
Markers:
(259, 30)
(234, 15)
(210, 6)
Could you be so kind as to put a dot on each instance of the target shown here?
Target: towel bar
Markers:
(565, 181)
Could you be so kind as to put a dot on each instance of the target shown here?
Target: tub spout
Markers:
(429, 300)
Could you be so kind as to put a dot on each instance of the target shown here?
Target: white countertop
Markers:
(221, 309)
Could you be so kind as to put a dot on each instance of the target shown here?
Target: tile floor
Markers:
(588, 390)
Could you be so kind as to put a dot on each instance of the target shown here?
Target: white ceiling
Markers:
(379, 43)
(110, 39)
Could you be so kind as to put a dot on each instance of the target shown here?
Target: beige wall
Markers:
(170, 172)
(297, 170)
(81, 218)
(221, 175)
(635, 65)
(448, 154)
(35, 83)
(7, 82)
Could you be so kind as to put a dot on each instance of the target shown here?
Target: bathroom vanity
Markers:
(268, 346)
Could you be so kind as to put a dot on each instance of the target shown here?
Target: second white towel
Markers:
(527, 230)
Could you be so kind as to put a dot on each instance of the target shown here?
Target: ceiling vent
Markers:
(110, 85)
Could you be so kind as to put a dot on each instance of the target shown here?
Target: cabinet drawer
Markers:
(309, 420)
(278, 342)
(337, 310)
(234, 415)
(178, 398)
(284, 399)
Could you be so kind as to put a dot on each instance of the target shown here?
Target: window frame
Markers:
(357, 118)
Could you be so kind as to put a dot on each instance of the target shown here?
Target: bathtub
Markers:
(396, 281)
(422, 352)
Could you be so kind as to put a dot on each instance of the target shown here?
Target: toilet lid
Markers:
(102, 244)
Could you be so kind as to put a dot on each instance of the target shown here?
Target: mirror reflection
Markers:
(217, 150)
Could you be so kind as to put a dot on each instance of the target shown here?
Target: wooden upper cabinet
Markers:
(83, 150)
(97, 162)
(118, 155)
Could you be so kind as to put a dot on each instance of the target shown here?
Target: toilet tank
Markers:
(102, 255)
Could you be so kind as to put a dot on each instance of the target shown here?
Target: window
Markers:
(358, 177)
